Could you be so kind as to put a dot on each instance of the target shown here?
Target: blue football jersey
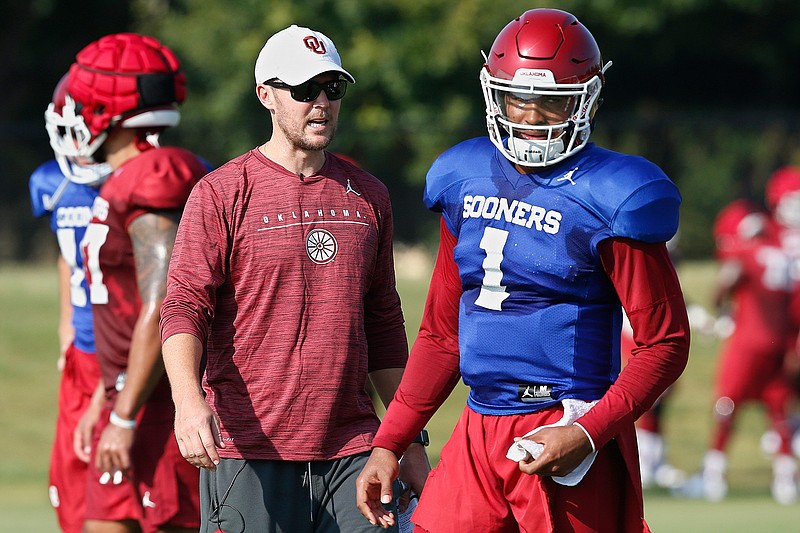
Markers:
(69, 207)
(539, 320)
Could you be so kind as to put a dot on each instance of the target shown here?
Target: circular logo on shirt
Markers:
(321, 246)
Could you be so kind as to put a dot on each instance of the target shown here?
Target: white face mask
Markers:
(69, 135)
(787, 212)
(555, 142)
(751, 226)
(92, 174)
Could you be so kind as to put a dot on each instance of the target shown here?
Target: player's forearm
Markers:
(66, 332)
(152, 238)
(645, 377)
(385, 382)
(428, 380)
(433, 366)
(649, 290)
(98, 396)
(145, 366)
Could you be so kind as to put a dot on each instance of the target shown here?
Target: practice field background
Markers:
(29, 381)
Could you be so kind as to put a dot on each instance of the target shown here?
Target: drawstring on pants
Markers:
(307, 477)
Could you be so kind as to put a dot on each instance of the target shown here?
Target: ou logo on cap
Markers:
(315, 45)
(321, 246)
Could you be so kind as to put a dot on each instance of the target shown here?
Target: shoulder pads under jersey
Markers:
(463, 161)
(637, 199)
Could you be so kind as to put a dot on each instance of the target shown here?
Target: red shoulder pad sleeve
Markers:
(649, 290)
(432, 371)
(164, 178)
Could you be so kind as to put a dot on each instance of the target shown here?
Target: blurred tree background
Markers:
(707, 89)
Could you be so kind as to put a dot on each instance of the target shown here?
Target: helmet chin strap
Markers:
(92, 174)
(147, 139)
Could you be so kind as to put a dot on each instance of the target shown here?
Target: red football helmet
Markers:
(783, 196)
(738, 222)
(121, 79)
(548, 58)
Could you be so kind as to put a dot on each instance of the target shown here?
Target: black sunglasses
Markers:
(309, 91)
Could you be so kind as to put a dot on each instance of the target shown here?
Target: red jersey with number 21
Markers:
(156, 180)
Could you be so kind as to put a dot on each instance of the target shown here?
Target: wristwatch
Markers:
(422, 438)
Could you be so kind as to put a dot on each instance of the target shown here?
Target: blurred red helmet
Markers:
(783, 196)
(737, 223)
(543, 54)
(782, 181)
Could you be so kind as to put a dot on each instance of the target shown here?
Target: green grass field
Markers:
(29, 380)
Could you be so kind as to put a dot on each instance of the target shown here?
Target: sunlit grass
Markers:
(28, 383)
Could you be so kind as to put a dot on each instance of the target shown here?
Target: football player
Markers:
(64, 191)
(752, 286)
(544, 237)
(782, 195)
(123, 91)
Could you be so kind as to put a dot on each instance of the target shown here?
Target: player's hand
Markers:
(414, 467)
(197, 430)
(66, 334)
(114, 450)
(374, 487)
(82, 435)
(564, 449)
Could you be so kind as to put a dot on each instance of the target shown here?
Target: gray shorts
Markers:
(284, 497)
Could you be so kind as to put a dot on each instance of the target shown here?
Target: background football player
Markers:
(753, 287)
(123, 90)
(64, 191)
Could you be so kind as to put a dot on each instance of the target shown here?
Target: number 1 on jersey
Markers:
(492, 293)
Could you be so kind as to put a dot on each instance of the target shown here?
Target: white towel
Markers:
(573, 410)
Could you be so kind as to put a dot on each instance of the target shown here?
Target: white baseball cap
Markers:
(295, 55)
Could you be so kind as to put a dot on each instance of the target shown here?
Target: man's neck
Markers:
(120, 147)
(123, 155)
(301, 162)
